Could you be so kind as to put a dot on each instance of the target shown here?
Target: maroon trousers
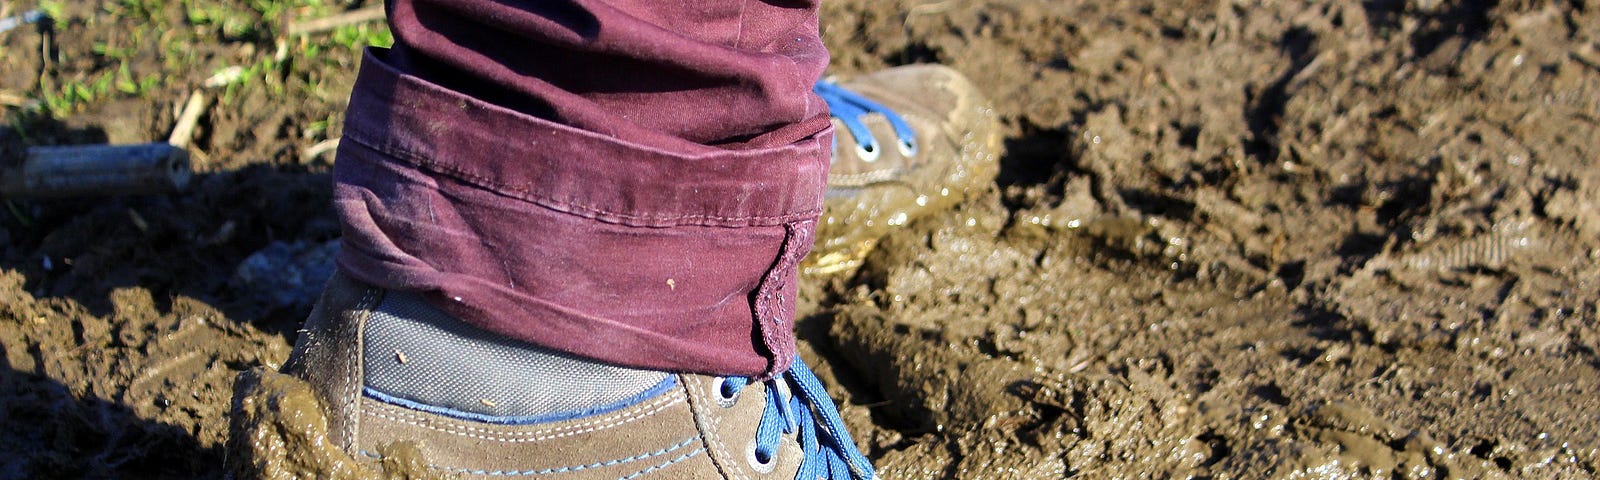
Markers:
(632, 181)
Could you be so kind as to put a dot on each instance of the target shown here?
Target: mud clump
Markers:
(1270, 240)
(279, 431)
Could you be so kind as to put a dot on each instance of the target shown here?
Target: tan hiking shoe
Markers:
(908, 141)
(383, 385)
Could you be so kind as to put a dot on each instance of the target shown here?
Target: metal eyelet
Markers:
(726, 396)
(908, 147)
(757, 463)
(869, 152)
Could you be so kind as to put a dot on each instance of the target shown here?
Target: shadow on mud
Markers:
(187, 244)
(121, 324)
(53, 432)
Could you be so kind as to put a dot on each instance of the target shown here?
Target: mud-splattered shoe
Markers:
(909, 140)
(382, 385)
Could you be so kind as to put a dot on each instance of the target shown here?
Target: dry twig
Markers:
(13, 99)
(183, 131)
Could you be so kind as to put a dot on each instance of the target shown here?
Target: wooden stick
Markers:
(91, 170)
(365, 14)
(225, 77)
(184, 130)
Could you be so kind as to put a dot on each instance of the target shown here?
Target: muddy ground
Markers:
(1228, 240)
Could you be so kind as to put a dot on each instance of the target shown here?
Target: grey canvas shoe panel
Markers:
(415, 352)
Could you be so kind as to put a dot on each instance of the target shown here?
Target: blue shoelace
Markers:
(850, 107)
(830, 453)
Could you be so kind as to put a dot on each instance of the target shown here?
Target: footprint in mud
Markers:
(965, 414)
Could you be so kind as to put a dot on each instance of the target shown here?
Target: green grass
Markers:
(193, 39)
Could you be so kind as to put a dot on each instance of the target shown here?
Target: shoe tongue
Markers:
(417, 353)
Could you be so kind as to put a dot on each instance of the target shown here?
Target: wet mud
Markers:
(1227, 240)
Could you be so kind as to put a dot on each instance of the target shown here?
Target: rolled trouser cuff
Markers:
(676, 256)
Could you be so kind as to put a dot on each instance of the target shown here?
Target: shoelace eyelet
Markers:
(908, 148)
(727, 393)
(868, 152)
(760, 461)
(826, 449)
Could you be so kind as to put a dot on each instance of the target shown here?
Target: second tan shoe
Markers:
(909, 141)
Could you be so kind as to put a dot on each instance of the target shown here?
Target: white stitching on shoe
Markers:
(871, 176)
(711, 433)
(352, 380)
(573, 468)
(681, 458)
(445, 426)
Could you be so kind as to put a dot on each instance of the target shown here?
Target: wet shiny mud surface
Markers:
(1227, 240)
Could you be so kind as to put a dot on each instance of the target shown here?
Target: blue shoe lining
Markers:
(660, 388)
